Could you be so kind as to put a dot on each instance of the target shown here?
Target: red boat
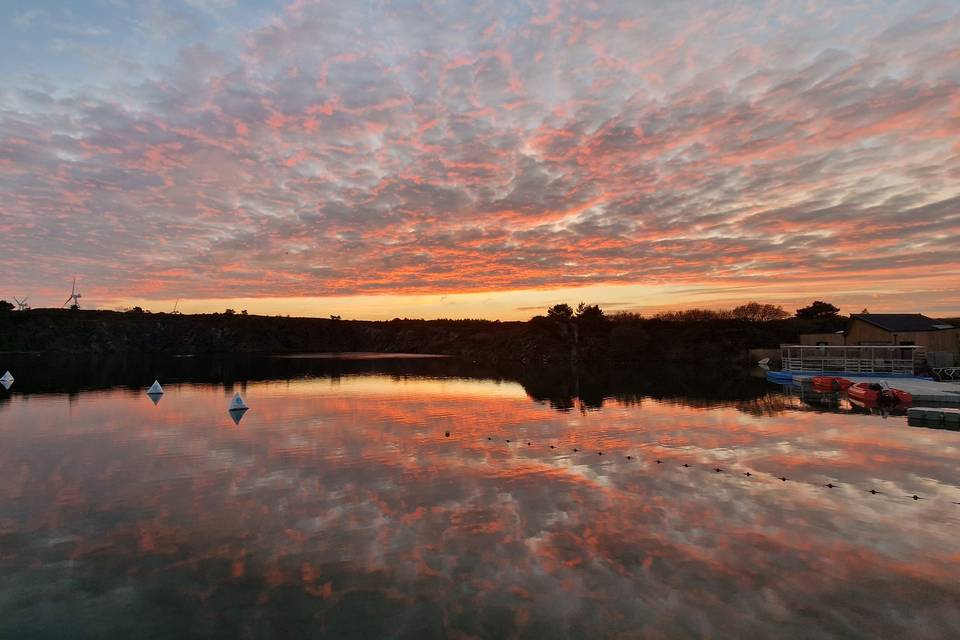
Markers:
(871, 393)
(831, 383)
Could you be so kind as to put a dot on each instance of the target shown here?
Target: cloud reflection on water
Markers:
(340, 507)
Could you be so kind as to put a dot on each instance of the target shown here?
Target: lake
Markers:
(430, 498)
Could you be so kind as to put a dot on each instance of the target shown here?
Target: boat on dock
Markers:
(831, 383)
(873, 394)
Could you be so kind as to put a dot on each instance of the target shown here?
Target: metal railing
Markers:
(886, 359)
(947, 374)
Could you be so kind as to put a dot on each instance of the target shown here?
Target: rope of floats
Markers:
(716, 469)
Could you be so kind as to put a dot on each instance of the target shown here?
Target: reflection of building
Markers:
(941, 341)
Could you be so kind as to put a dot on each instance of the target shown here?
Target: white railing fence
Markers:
(902, 360)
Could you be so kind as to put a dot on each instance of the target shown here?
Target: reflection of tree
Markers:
(563, 388)
(591, 385)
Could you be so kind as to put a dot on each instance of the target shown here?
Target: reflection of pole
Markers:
(576, 384)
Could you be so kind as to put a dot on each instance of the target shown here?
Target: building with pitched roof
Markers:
(940, 340)
(907, 329)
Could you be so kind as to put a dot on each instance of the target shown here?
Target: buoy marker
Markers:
(237, 408)
(237, 403)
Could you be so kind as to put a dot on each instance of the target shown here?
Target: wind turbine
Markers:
(22, 304)
(175, 305)
(74, 296)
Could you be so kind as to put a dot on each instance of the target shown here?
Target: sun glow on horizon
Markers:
(941, 299)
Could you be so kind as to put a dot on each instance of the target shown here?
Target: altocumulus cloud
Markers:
(222, 149)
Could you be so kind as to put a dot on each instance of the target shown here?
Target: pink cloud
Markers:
(558, 146)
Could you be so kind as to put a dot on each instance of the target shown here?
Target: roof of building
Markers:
(902, 321)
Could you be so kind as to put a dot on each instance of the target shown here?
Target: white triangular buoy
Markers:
(155, 389)
(238, 403)
(7, 377)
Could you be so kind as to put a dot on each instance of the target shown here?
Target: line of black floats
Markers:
(748, 474)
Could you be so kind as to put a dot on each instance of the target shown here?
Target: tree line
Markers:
(750, 311)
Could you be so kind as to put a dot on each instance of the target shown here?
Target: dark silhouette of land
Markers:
(562, 335)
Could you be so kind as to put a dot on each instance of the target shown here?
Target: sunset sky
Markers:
(480, 159)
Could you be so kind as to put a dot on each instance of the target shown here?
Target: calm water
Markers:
(338, 506)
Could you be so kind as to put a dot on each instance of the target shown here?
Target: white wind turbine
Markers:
(22, 304)
(73, 296)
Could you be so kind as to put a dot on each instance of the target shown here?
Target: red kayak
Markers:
(871, 393)
(831, 383)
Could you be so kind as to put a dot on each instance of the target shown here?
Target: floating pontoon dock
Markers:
(934, 417)
(895, 365)
(923, 390)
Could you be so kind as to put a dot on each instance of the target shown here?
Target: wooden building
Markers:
(940, 341)
(907, 329)
(834, 339)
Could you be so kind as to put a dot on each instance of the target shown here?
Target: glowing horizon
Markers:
(484, 160)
